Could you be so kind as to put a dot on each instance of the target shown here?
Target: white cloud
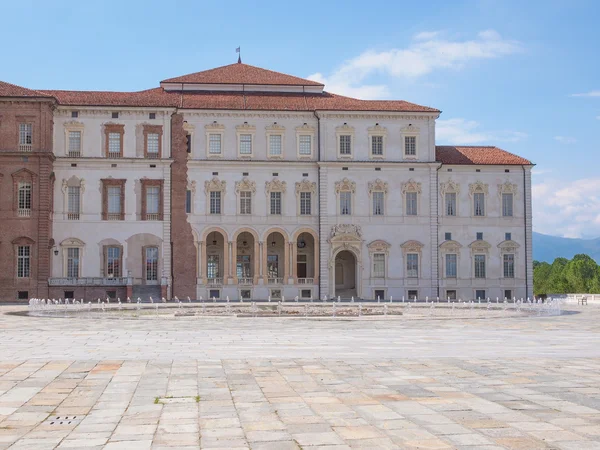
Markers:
(565, 139)
(572, 210)
(428, 52)
(588, 94)
(540, 171)
(467, 132)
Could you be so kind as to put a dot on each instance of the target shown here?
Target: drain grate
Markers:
(57, 421)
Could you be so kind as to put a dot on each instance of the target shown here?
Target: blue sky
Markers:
(523, 75)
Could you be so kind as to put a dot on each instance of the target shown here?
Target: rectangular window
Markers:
(410, 145)
(114, 202)
(479, 266)
(215, 202)
(245, 202)
(479, 204)
(378, 265)
(74, 143)
(74, 202)
(451, 294)
(345, 144)
(73, 262)
(509, 265)
(188, 201)
(214, 144)
(114, 145)
(272, 266)
(113, 262)
(214, 293)
(188, 142)
(507, 294)
(447, 236)
(379, 294)
(378, 203)
(507, 205)
(275, 145)
(306, 293)
(412, 265)
(212, 268)
(305, 143)
(243, 266)
(245, 144)
(23, 261)
(479, 236)
(153, 145)
(276, 203)
(25, 137)
(450, 201)
(152, 202)
(305, 203)
(413, 295)
(345, 203)
(24, 199)
(451, 265)
(377, 145)
(480, 294)
(411, 203)
(508, 236)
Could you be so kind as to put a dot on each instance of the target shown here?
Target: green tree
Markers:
(541, 272)
(556, 282)
(580, 273)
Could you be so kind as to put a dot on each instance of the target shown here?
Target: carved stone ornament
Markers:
(507, 188)
(306, 186)
(275, 185)
(245, 185)
(188, 127)
(305, 128)
(379, 246)
(275, 127)
(450, 246)
(508, 246)
(346, 229)
(377, 129)
(478, 186)
(215, 185)
(412, 246)
(480, 246)
(74, 125)
(214, 126)
(65, 186)
(345, 185)
(192, 186)
(410, 129)
(411, 186)
(245, 127)
(344, 129)
(449, 186)
(72, 242)
(378, 186)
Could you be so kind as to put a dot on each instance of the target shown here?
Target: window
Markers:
(243, 266)
(74, 114)
(412, 265)
(508, 236)
(73, 262)
(111, 295)
(74, 202)
(114, 202)
(411, 203)
(451, 265)
(245, 144)
(451, 294)
(276, 203)
(345, 203)
(215, 202)
(152, 202)
(450, 203)
(153, 145)
(305, 145)
(345, 144)
(188, 201)
(479, 266)
(305, 203)
(509, 265)
(379, 294)
(447, 236)
(188, 143)
(410, 145)
(479, 204)
(23, 261)
(413, 295)
(115, 115)
(507, 205)
(25, 137)
(69, 294)
(114, 145)
(480, 294)
(378, 265)
(151, 116)
(479, 236)
(275, 294)
(212, 268)
(74, 143)
(378, 203)
(113, 199)
(245, 202)
(113, 262)
(214, 293)
(272, 266)
(24, 199)
(214, 144)
(306, 293)
(245, 294)
(507, 294)
(377, 145)
(22, 295)
(275, 144)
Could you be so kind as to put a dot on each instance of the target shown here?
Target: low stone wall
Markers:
(575, 298)
(88, 293)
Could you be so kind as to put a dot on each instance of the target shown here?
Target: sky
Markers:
(522, 75)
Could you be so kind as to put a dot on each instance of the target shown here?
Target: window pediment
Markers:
(450, 246)
(23, 240)
(508, 246)
(507, 188)
(345, 185)
(73, 182)
(478, 187)
(412, 246)
(275, 128)
(306, 186)
(245, 128)
(344, 129)
(410, 129)
(480, 246)
(449, 186)
(378, 185)
(72, 242)
(215, 185)
(379, 246)
(411, 186)
(23, 175)
(305, 129)
(245, 185)
(214, 126)
(378, 130)
(345, 230)
(191, 186)
(275, 186)
(74, 125)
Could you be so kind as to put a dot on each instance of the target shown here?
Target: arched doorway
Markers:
(345, 274)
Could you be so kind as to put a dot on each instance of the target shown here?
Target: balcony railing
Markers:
(245, 281)
(152, 216)
(113, 216)
(74, 154)
(87, 281)
(274, 280)
(24, 212)
(114, 154)
(72, 216)
(151, 155)
(212, 282)
(306, 281)
(25, 147)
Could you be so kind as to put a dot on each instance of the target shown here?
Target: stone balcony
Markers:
(87, 281)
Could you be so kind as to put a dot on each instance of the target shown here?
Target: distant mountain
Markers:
(547, 248)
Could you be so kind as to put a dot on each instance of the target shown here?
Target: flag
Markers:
(237, 50)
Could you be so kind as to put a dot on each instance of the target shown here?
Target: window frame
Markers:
(220, 203)
(272, 131)
(408, 257)
(477, 271)
(309, 187)
(378, 258)
(512, 204)
(70, 127)
(410, 131)
(280, 201)
(344, 130)
(153, 130)
(112, 182)
(510, 267)
(25, 258)
(214, 129)
(243, 130)
(106, 253)
(109, 129)
(447, 266)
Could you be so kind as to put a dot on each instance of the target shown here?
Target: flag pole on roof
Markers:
(238, 50)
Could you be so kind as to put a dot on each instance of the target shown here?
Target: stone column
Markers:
(288, 269)
(232, 275)
(316, 268)
(200, 256)
(261, 273)
(255, 261)
(294, 259)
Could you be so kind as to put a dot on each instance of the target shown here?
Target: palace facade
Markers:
(245, 183)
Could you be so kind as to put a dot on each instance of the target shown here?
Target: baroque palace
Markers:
(248, 183)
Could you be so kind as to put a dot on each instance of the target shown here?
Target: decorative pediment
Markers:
(214, 126)
(411, 186)
(478, 187)
(346, 230)
(74, 125)
(191, 185)
(23, 174)
(74, 182)
(275, 128)
(275, 185)
(377, 129)
(410, 128)
(450, 246)
(508, 246)
(215, 185)
(23, 240)
(345, 185)
(449, 186)
(378, 186)
(72, 242)
(245, 128)
(245, 185)
(344, 129)
(412, 246)
(480, 246)
(379, 246)
(306, 186)
(507, 188)
(188, 127)
(305, 128)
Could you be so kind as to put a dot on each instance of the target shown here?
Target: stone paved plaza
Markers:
(281, 383)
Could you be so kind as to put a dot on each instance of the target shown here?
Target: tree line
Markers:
(578, 275)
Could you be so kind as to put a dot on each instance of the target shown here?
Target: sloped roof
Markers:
(240, 73)
(12, 90)
(151, 97)
(482, 155)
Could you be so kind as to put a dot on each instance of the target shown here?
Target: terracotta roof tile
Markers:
(12, 90)
(483, 155)
(152, 97)
(240, 73)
